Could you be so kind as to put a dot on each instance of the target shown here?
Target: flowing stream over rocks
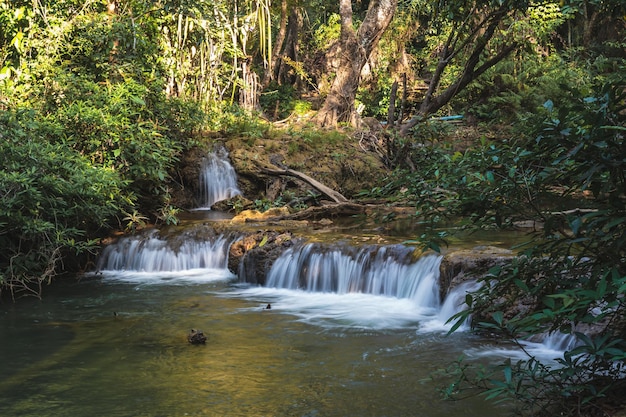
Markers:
(350, 331)
(293, 328)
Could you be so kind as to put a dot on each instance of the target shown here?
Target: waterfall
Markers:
(454, 303)
(377, 270)
(150, 253)
(554, 341)
(218, 179)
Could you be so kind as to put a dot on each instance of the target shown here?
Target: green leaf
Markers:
(521, 285)
(512, 172)
(601, 290)
(137, 100)
(508, 373)
(498, 316)
(575, 224)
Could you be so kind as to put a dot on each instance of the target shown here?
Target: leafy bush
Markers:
(278, 101)
(235, 121)
(575, 271)
(122, 126)
(53, 201)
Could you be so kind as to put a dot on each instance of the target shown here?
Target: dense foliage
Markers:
(53, 200)
(574, 270)
(89, 137)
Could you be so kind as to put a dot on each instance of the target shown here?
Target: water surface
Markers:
(115, 345)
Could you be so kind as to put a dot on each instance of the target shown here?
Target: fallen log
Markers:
(326, 211)
(336, 196)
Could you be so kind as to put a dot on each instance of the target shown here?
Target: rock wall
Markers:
(470, 264)
(252, 256)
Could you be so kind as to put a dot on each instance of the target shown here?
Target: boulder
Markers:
(196, 337)
(470, 264)
(252, 256)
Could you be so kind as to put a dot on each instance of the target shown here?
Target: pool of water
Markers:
(115, 345)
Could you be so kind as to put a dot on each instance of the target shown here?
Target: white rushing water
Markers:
(371, 287)
(382, 287)
(545, 347)
(387, 271)
(152, 259)
(218, 179)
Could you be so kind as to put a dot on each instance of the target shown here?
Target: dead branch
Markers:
(334, 195)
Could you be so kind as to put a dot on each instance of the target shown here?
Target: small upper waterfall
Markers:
(150, 253)
(378, 270)
(218, 179)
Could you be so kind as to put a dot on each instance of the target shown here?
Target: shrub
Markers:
(53, 200)
(575, 270)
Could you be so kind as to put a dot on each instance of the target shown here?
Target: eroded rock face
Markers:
(470, 264)
(252, 256)
(473, 264)
(465, 265)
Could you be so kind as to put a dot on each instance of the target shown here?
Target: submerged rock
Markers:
(196, 337)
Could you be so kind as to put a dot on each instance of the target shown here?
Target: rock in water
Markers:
(196, 337)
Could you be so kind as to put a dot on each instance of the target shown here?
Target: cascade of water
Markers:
(152, 254)
(384, 270)
(218, 179)
(455, 302)
(556, 341)
(544, 342)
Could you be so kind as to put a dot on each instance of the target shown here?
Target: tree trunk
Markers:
(290, 55)
(271, 72)
(391, 113)
(353, 51)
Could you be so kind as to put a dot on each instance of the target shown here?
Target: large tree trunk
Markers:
(353, 51)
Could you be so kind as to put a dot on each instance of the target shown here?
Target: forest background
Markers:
(100, 99)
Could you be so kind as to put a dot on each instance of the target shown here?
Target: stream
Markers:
(365, 337)
(116, 346)
(352, 331)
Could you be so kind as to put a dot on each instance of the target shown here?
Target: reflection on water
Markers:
(105, 347)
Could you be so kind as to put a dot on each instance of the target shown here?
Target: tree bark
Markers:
(354, 50)
(391, 117)
(286, 74)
